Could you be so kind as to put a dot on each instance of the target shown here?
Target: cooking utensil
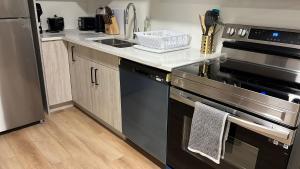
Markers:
(215, 16)
(209, 21)
(202, 22)
(211, 31)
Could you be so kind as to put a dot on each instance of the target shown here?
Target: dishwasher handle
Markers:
(144, 70)
(141, 71)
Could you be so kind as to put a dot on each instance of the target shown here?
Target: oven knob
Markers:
(232, 32)
(240, 32)
(228, 30)
(244, 33)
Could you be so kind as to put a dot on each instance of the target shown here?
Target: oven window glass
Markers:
(237, 153)
(240, 154)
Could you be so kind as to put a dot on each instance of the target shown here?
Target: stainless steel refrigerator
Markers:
(20, 93)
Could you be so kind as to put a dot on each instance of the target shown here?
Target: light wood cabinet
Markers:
(84, 82)
(81, 83)
(56, 71)
(106, 96)
(96, 84)
(73, 56)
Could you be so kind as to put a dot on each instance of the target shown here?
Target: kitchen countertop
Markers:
(166, 61)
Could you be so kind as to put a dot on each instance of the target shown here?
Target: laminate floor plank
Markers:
(10, 163)
(26, 152)
(68, 139)
(6, 150)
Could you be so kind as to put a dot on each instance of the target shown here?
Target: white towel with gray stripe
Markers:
(208, 132)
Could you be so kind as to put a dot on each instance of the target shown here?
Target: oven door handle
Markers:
(276, 134)
(266, 131)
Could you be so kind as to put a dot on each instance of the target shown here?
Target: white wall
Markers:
(274, 13)
(142, 7)
(68, 9)
(182, 15)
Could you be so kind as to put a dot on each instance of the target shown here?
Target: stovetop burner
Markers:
(220, 70)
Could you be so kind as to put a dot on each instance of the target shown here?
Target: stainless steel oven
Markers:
(251, 144)
(258, 84)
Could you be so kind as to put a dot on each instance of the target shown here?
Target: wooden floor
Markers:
(68, 140)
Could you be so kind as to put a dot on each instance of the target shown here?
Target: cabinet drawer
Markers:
(100, 57)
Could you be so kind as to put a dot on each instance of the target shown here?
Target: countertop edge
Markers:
(127, 55)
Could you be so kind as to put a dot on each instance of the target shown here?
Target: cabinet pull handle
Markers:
(96, 79)
(72, 51)
(92, 78)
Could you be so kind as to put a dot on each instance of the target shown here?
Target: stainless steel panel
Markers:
(244, 93)
(236, 37)
(269, 107)
(20, 94)
(13, 8)
(286, 68)
(268, 129)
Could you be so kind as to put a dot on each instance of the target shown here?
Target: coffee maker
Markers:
(99, 23)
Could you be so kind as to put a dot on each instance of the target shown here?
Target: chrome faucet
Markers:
(126, 18)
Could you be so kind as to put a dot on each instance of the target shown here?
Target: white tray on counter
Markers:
(140, 47)
(163, 39)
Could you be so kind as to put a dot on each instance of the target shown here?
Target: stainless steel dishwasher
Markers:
(144, 93)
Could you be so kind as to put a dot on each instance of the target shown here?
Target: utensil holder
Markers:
(207, 44)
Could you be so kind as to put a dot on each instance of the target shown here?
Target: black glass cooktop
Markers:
(221, 71)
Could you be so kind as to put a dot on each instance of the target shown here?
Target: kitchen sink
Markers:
(116, 43)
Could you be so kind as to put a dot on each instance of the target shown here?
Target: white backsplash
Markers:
(182, 15)
(70, 10)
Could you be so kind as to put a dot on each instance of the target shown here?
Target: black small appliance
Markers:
(39, 12)
(55, 24)
(99, 23)
(86, 23)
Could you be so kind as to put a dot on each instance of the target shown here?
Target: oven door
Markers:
(250, 144)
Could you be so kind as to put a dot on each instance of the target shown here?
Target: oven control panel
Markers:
(268, 34)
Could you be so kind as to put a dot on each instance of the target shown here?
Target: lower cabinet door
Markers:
(84, 83)
(107, 97)
(73, 62)
(56, 69)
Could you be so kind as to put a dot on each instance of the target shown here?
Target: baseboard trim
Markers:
(61, 106)
(100, 121)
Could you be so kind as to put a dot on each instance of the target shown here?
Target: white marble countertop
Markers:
(166, 61)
